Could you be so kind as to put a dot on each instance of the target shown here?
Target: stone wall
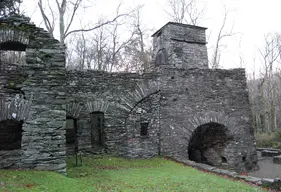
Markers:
(181, 46)
(40, 80)
(118, 96)
(165, 112)
(191, 98)
(141, 141)
(181, 101)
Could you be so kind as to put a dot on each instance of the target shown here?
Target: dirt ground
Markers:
(268, 169)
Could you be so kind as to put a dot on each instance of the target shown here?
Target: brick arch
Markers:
(130, 100)
(223, 135)
(97, 105)
(142, 90)
(73, 110)
(215, 117)
(17, 109)
(19, 36)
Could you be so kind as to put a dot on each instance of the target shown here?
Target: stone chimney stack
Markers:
(179, 45)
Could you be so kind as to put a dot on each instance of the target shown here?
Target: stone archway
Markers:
(207, 144)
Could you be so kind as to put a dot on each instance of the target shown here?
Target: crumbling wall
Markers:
(163, 112)
(40, 81)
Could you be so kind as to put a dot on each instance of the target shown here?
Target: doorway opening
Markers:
(10, 134)
(70, 130)
(97, 128)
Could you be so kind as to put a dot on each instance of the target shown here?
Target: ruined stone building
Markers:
(181, 109)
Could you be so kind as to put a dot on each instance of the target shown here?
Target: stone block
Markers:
(277, 159)
(267, 153)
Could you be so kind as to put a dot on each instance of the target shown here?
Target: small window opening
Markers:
(10, 134)
(244, 158)
(144, 129)
(223, 159)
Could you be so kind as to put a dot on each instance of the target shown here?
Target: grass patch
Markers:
(117, 174)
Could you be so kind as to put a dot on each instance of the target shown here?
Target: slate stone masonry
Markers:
(139, 115)
(40, 81)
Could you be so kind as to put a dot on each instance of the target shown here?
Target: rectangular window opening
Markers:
(144, 129)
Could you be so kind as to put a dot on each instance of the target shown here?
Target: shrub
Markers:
(269, 140)
(277, 135)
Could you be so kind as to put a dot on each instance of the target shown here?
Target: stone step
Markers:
(268, 149)
(267, 153)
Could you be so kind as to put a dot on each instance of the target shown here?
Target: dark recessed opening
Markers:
(161, 57)
(12, 46)
(207, 143)
(223, 159)
(10, 134)
(144, 129)
(244, 158)
(97, 130)
(172, 77)
(158, 34)
(70, 130)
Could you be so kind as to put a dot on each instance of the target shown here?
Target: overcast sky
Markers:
(252, 20)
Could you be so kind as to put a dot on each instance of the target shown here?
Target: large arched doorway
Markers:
(207, 144)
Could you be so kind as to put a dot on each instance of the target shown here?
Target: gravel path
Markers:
(268, 169)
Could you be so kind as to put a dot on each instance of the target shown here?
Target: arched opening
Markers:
(10, 134)
(97, 128)
(207, 144)
(162, 57)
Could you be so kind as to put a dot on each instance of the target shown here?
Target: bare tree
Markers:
(265, 92)
(90, 53)
(68, 8)
(101, 49)
(138, 54)
(116, 45)
(270, 55)
(184, 11)
(223, 34)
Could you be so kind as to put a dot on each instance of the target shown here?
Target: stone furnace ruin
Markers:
(179, 109)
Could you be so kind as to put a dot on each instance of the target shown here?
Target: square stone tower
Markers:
(180, 46)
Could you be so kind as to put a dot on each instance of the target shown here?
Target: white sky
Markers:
(252, 20)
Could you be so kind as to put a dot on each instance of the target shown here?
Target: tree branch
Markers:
(95, 27)
(75, 8)
(47, 22)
